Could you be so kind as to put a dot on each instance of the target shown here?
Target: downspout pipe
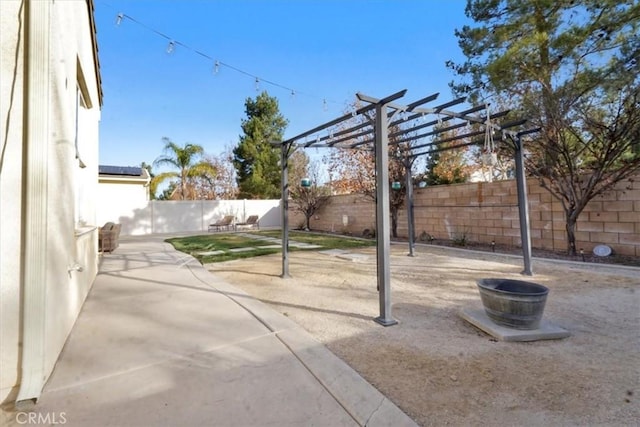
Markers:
(35, 200)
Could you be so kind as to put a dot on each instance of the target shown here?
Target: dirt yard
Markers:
(441, 370)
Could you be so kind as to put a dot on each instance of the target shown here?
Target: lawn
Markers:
(220, 247)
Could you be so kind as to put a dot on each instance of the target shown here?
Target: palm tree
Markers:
(187, 160)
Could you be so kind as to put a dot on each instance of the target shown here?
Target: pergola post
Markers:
(383, 228)
(284, 162)
(410, 218)
(523, 206)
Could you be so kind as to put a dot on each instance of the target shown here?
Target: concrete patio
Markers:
(162, 342)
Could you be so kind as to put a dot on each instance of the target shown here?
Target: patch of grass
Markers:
(193, 245)
(230, 256)
(327, 241)
(214, 242)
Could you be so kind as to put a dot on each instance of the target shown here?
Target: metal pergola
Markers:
(415, 122)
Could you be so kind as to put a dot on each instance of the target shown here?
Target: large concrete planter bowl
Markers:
(513, 303)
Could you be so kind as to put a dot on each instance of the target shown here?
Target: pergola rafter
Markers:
(373, 132)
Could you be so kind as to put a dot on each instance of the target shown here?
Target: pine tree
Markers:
(572, 67)
(255, 159)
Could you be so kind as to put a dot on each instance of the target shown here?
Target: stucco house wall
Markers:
(120, 195)
(50, 103)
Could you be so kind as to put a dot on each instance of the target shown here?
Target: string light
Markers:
(257, 84)
(217, 64)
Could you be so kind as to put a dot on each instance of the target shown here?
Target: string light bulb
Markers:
(171, 46)
(257, 84)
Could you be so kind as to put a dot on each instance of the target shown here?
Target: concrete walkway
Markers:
(162, 342)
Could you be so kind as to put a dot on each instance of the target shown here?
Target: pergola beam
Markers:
(528, 132)
(423, 135)
(374, 101)
(424, 100)
(448, 115)
(477, 142)
(346, 117)
(329, 124)
(412, 106)
(453, 147)
(479, 120)
(457, 101)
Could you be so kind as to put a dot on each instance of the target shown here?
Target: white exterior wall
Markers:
(123, 198)
(11, 189)
(67, 222)
(184, 215)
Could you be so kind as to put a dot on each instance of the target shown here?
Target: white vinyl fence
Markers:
(186, 216)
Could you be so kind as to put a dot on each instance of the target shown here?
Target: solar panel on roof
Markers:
(120, 170)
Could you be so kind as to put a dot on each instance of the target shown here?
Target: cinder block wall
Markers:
(482, 212)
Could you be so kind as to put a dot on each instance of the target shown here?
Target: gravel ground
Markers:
(586, 257)
(441, 370)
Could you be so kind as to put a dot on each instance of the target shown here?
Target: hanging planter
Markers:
(490, 158)
(489, 155)
(305, 182)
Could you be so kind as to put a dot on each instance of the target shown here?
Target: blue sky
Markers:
(322, 49)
